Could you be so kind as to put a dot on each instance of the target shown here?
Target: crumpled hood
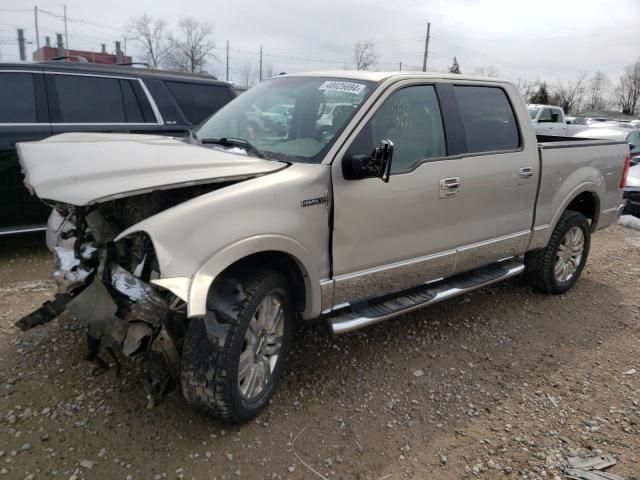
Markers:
(85, 168)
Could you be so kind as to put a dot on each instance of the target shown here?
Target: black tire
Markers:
(540, 264)
(209, 375)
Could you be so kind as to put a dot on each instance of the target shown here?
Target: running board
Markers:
(367, 313)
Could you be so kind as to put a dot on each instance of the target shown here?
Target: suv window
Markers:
(198, 101)
(488, 119)
(17, 98)
(411, 119)
(94, 99)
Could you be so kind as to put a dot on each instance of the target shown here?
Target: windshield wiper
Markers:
(234, 142)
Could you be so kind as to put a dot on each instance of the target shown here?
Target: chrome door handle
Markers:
(525, 172)
(449, 187)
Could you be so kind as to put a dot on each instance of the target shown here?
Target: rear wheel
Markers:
(555, 268)
(235, 381)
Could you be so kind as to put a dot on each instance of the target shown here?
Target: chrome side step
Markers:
(368, 313)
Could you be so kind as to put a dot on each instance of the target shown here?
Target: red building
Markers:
(47, 53)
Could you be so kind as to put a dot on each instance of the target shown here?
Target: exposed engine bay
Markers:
(106, 284)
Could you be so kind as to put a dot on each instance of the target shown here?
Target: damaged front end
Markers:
(105, 284)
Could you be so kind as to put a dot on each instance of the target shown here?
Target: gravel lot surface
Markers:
(500, 383)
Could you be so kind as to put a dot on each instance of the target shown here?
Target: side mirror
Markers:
(376, 165)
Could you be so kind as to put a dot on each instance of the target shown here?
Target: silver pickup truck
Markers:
(350, 197)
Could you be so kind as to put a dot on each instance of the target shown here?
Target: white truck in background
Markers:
(551, 120)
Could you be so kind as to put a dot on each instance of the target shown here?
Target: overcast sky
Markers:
(525, 39)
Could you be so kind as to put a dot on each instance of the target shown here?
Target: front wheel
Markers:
(555, 268)
(235, 381)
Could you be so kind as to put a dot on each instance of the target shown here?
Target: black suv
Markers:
(41, 99)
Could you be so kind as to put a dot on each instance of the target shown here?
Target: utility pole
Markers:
(400, 66)
(426, 48)
(35, 12)
(23, 55)
(227, 77)
(66, 32)
(260, 63)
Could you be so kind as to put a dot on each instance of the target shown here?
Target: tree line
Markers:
(584, 93)
(190, 48)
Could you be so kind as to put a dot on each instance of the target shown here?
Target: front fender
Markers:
(222, 259)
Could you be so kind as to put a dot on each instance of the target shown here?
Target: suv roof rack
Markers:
(79, 58)
(130, 64)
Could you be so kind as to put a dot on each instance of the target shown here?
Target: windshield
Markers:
(289, 118)
(533, 112)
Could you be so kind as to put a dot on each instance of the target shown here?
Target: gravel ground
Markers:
(500, 383)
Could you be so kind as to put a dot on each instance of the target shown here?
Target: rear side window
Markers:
(488, 119)
(85, 99)
(17, 98)
(198, 101)
(89, 99)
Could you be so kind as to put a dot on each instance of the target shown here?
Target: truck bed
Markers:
(569, 169)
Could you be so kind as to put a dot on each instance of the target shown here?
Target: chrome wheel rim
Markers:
(569, 254)
(261, 347)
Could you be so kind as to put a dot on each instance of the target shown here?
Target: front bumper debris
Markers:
(122, 313)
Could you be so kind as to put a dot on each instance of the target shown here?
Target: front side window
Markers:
(411, 119)
(17, 98)
(86, 99)
(488, 119)
(289, 118)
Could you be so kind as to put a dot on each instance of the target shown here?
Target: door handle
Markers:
(525, 172)
(449, 187)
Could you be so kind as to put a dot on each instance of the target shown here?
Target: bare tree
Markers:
(570, 95)
(527, 89)
(488, 71)
(192, 48)
(268, 71)
(247, 75)
(150, 33)
(596, 89)
(628, 89)
(364, 54)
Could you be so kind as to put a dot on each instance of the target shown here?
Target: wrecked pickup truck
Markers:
(207, 249)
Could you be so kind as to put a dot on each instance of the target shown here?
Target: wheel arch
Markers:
(282, 254)
(584, 199)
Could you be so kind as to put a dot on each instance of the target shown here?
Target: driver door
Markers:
(393, 236)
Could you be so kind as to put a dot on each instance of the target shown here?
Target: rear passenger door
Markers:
(98, 103)
(24, 117)
(498, 179)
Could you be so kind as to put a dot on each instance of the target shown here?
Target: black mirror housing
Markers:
(376, 165)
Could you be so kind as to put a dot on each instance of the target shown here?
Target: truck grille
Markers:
(633, 196)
